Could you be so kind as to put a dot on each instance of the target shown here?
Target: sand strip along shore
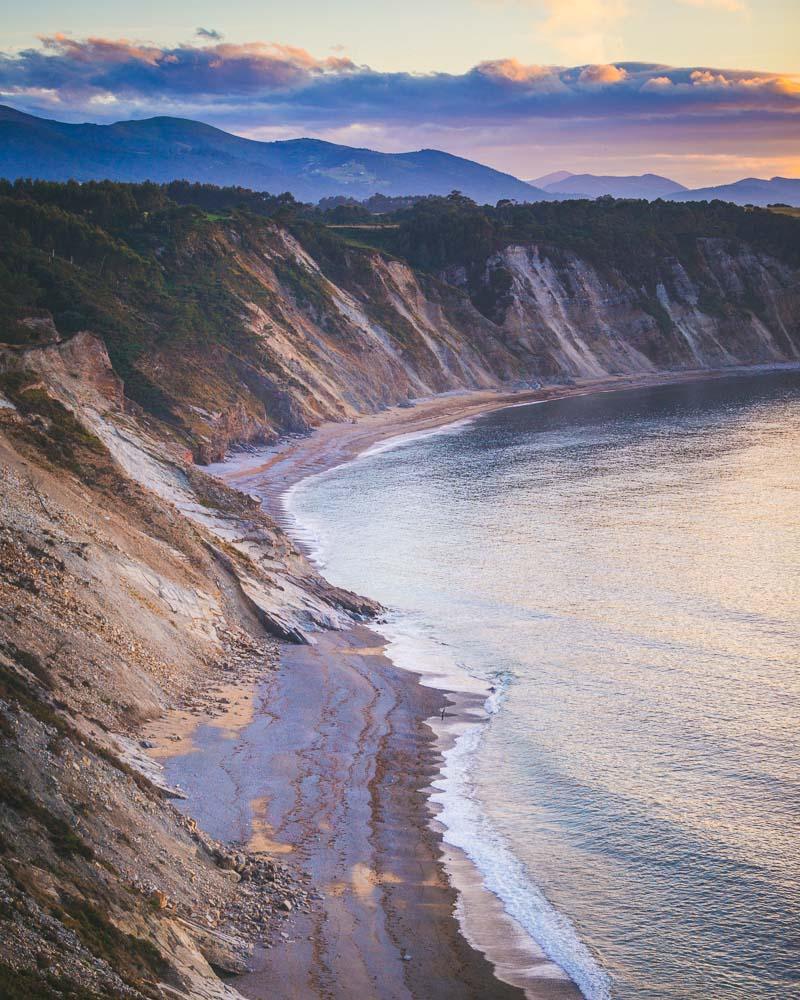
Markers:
(331, 765)
(332, 773)
(271, 472)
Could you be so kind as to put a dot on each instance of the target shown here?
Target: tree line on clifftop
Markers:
(137, 263)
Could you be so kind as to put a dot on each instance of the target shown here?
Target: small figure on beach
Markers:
(444, 707)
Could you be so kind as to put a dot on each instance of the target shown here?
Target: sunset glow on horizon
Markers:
(528, 87)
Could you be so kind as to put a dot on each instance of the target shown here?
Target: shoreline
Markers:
(468, 916)
(330, 772)
(276, 468)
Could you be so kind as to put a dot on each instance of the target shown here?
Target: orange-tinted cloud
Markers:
(99, 51)
(603, 74)
(268, 88)
(514, 71)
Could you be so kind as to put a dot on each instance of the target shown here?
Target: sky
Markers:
(705, 91)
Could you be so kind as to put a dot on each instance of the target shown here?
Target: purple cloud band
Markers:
(501, 110)
(282, 84)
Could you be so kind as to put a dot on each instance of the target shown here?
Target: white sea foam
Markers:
(413, 645)
(306, 532)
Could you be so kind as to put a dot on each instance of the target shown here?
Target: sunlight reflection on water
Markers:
(632, 562)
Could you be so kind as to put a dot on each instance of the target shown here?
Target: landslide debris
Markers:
(117, 604)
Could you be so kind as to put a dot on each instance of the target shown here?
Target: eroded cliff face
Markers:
(318, 347)
(329, 340)
(130, 581)
(568, 317)
(274, 579)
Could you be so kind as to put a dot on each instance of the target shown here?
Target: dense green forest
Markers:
(131, 261)
(438, 233)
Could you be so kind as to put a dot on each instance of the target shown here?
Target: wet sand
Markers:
(330, 765)
(331, 773)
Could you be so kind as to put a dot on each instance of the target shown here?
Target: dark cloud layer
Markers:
(291, 84)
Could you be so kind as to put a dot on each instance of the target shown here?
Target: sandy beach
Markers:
(330, 763)
(331, 772)
(273, 471)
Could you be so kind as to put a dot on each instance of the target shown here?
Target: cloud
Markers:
(209, 33)
(83, 70)
(708, 78)
(286, 85)
(657, 83)
(513, 71)
(602, 74)
(731, 6)
(499, 108)
(583, 30)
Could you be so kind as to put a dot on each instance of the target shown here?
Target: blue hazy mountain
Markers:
(165, 149)
(562, 182)
(553, 178)
(749, 191)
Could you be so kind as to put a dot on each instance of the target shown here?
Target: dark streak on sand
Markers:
(334, 767)
(356, 751)
(337, 771)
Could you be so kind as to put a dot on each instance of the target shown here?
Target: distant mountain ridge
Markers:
(562, 182)
(553, 178)
(750, 191)
(165, 149)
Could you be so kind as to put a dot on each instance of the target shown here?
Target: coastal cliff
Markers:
(331, 341)
(569, 318)
(230, 328)
(139, 338)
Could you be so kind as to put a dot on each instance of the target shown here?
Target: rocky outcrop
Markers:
(79, 370)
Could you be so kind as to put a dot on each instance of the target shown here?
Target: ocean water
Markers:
(624, 570)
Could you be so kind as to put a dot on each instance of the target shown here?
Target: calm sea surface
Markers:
(625, 569)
